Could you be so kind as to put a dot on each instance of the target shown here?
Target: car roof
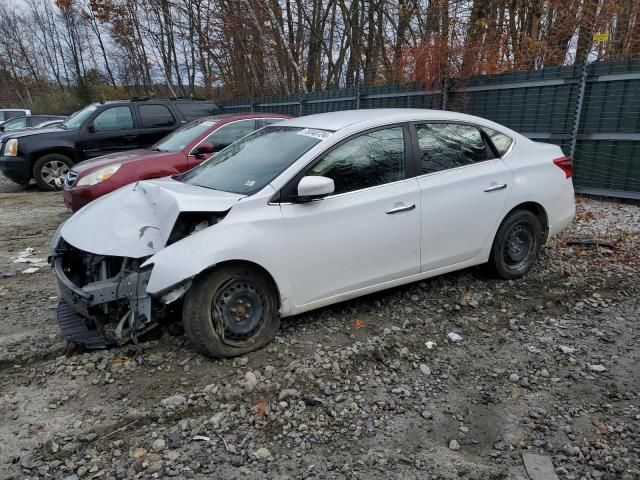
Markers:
(342, 119)
(242, 116)
(142, 100)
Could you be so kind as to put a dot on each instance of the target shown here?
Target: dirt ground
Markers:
(547, 364)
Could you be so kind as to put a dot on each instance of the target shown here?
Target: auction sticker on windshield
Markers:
(315, 133)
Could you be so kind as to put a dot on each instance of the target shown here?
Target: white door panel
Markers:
(460, 209)
(350, 241)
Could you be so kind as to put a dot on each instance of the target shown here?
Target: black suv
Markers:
(47, 154)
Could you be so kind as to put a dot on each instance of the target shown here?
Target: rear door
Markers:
(156, 121)
(464, 188)
(109, 131)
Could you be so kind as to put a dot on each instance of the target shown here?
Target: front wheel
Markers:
(231, 311)
(516, 246)
(49, 171)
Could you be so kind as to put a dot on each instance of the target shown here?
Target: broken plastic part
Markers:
(176, 293)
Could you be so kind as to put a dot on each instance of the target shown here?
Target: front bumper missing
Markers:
(84, 312)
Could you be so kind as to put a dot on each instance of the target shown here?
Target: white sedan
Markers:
(306, 213)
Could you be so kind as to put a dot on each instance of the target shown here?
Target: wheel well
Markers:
(540, 213)
(37, 156)
(248, 264)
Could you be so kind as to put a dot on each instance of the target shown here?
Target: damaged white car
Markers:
(306, 213)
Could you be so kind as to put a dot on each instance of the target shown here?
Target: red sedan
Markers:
(182, 150)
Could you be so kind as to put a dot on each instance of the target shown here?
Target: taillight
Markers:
(566, 165)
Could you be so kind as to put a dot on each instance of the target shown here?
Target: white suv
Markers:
(306, 213)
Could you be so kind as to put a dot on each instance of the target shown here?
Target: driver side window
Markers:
(371, 159)
(115, 118)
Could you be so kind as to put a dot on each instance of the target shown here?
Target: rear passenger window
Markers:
(501, 141)
(193, 110)
(156, 116)
(449, 145)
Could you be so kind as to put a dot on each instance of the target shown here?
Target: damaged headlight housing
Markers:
(11, 148)
(99, 176)
(55, 240)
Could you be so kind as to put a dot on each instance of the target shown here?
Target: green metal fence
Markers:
(592, 111)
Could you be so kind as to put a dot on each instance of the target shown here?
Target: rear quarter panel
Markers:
(537, 179)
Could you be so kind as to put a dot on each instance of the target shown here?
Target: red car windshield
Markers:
(177, 140)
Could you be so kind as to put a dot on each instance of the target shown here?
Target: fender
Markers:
(239, 236)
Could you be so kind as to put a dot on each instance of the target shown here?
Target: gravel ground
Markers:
(371, 388)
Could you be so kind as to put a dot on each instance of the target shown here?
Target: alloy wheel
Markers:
(54, 173)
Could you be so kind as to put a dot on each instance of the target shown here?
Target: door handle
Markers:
(494, 188)
(130, 137)
(401, 208)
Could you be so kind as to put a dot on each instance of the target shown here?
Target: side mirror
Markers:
(91, 128)
(1, 128)
(314, 188)
(204, 149)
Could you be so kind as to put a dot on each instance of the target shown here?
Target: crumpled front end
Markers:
(98, 255)
(104, 299)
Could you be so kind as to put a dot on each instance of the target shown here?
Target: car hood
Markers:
(27, 132)
(89, 166)
(136, 220)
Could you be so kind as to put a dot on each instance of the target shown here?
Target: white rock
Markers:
(454, 337)
(262, 454)
(250, 381)
(159, 445)
(216, 420)
(287, 393)
(454, 445)
(429, 344)
(597, 368)
(174, 401)
(425, 369)
(567, 350)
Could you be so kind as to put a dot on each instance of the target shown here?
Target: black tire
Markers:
(516, 245)
(232, 288)
(50, 170)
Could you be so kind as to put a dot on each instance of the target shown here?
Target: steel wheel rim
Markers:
(54, 172)
(237, 310)
(519, 244)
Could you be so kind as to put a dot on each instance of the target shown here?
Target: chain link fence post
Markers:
(582, 85)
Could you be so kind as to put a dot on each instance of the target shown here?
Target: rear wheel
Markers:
(231, 311)
(49, 171)
(516, 246)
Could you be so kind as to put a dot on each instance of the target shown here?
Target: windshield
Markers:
(78, 118)
(176, 141)
(248, 165)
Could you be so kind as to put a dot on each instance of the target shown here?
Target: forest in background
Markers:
(58, 55)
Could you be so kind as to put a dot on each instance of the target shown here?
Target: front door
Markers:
(463, 191)
(367, 232)
(110, 131)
